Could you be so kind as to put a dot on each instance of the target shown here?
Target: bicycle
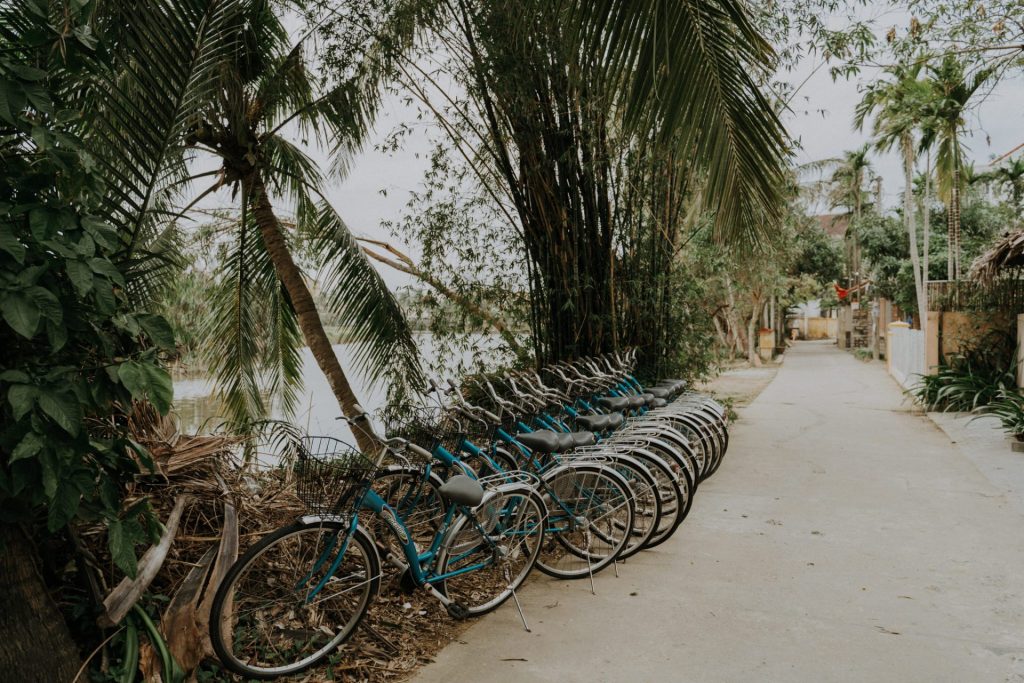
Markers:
(300, 592)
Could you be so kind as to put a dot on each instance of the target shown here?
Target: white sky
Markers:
(822, 121)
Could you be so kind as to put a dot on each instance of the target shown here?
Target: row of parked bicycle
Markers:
(569, 471)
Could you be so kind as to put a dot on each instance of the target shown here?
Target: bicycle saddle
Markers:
(615, 403)
(462, 490)
(548, 441)
(659, 392)
(594, 423)
(583, 438)
(675, 385)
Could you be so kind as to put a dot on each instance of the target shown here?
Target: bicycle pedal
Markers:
(457, 611)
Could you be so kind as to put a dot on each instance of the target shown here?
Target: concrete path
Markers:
(843, 539)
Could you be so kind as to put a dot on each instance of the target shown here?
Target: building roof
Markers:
(833, 224)
(1007, 253)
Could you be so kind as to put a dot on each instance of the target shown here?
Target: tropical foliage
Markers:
(77, 351)
(980, 373)
(589, 169)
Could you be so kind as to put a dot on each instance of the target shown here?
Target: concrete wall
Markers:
(956, 329)
(816, 327)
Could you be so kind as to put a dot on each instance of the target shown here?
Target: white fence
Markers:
(907, 349)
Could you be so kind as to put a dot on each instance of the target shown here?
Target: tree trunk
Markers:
(925, 268)
(954, 223)
(907, 143)
(305, 310)
(35, 645)
(405, 265)
(752, 336)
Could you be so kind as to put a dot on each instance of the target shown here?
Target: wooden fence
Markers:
(1005, 295)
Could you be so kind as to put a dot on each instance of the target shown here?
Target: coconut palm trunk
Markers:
(305, 310)
(954, 225)
(907, 143)
(35, 645)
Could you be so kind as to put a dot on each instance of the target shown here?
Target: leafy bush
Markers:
(973, 378)
(76, 352)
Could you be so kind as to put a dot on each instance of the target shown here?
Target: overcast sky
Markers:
(822, 121)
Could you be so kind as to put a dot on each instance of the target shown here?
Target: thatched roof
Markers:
(1008, 252)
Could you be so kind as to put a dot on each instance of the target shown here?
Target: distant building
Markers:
(834, 224)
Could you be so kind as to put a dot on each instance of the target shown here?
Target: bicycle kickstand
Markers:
(519, 607)
(590, 567)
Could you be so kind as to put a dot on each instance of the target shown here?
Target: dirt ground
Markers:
(741, 385)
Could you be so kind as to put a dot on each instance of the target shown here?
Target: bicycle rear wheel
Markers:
(266, 623)
(647, 504)
(495, 549)
(590, 519)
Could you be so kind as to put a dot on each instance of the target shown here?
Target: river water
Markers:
(199, 411)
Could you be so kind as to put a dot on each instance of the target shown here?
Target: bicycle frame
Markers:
(417, 562)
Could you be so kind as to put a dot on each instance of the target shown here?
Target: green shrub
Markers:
(1009, 408)
(973, 378)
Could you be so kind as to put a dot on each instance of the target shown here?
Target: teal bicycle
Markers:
(300, 592)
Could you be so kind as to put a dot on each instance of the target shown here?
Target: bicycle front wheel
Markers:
(266, 620)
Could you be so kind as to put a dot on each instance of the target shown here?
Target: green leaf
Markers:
(21, 314)
(144, 455)
(48, 461)
(28, 73)
(12, 100)
(48, 304)
(133, 377)
(161, 389)
(147, 381)
(102, 266)
(81, 277)
(106, 303)
(158, 330)
(41, 222)
(11, 244)
(122, 547)
(57, 334)
(14, 376)
(63, 506)
(63, 408)
(22, 397)
(101, 232)
(27, 447)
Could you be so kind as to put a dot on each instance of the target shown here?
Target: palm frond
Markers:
(253, 341)
(690, 69)
(358, 298)
(166, 62)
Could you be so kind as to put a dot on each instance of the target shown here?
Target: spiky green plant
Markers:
(1008, 406)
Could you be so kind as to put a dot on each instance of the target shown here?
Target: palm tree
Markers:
(1010, 177)
(897, 108)
(848, 191)
(943, 124)
(219, 77)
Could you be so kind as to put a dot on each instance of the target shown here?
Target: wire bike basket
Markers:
(330, 474)
(428, 428)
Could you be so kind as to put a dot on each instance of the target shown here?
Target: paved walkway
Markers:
(843, 539)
